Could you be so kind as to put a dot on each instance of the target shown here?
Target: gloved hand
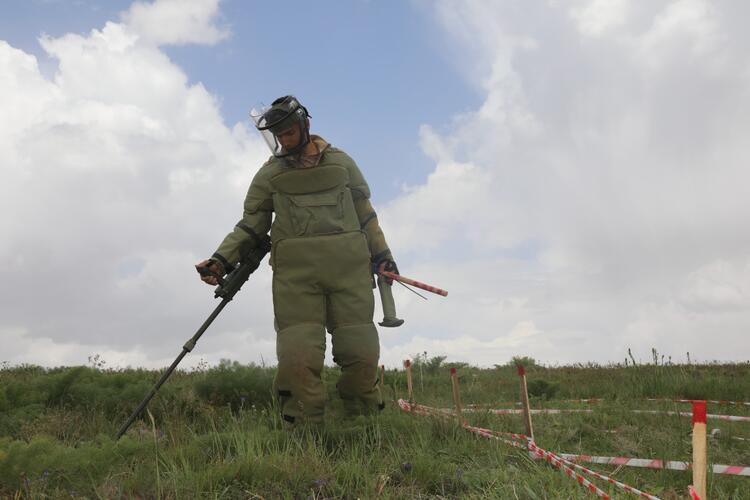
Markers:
(212, 265)
(387, 265)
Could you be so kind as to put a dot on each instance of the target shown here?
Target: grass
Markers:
(215, 433)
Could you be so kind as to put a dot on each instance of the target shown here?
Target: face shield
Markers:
(283, 125)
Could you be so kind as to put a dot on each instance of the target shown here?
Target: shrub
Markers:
(542, 389)
(236, 385)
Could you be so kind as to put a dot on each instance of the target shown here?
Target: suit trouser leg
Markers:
(356, 347)
(299, 307)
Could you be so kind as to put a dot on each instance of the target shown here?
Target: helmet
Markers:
(283, 114)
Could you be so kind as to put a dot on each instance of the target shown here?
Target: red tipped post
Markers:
(525, 402)
(700, 459)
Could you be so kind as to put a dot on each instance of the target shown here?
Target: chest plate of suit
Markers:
(312, 201)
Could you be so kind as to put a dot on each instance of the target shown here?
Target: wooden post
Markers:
(407, 367)
(456, 393)
(700, 459)
(525, 403)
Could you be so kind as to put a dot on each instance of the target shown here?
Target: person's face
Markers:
(289, 138)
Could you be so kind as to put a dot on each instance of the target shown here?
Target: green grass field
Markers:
(216, 434)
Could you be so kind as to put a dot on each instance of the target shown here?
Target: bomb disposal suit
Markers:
(326, 238)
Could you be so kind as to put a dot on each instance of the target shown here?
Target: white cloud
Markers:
(601, 184)
(596, 199)
(118, 175)
(176, 22)
(718, 287)
(598, 16)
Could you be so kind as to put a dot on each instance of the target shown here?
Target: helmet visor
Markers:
(273, 120)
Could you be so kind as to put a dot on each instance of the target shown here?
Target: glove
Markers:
(387, 265)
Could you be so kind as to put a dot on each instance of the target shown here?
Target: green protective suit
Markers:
(325, 235)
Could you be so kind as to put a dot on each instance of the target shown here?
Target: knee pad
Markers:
(356, 349)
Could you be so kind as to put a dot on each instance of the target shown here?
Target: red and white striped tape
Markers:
(589, 400)
(714, 401)
(523, 442)
(424, 410)
(721, 402)
(489, 434)
(531, 446)
(554, 411)
(728, 418)
(551, 459)
(515, 411)
(734, 470)
(614, 482)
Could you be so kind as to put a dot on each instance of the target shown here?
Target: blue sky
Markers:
(369, 72)
(573, 173)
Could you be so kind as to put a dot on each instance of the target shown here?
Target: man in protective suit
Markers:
(326, 242)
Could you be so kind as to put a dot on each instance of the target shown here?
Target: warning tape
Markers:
(589, 400)
(523, 442)
(514, 411)
(734, 470)
(553, 411)
(722, 402)
(520, 437)
(545, 454)
(714, 401)
(425, 410)
(728, 418)
(489, 434)
(531, 446)
(551, 459)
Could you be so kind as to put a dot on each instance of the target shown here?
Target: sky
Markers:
(573, 173)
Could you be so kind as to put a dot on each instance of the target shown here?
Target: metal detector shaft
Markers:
(185, 349)
(226, 290)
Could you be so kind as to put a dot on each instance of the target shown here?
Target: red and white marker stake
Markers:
(525, 403)
(699, 448)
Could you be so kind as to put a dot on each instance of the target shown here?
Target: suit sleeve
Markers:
(255, 223)
(368, 218)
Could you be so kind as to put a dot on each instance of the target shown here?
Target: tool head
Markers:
(391, 322)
